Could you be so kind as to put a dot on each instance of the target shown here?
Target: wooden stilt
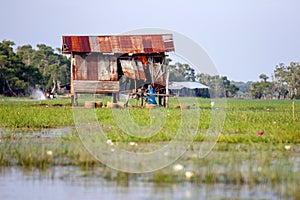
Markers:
(167, 89)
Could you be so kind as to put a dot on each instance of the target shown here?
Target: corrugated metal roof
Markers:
(118, 44)
(190, 85)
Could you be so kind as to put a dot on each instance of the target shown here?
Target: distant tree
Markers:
(265, 85)
(231, 90)
(26, 53)
(243, 88)
(273, 87)
(280, 73)
(261, 89)
(204, 78)
(15, 76)
(181, 72)
(256, 90)
(220, 86)
(293, 79)
(54, 67)
(28, 67)
(287, 80)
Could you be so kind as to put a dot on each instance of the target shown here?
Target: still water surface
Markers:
(60, 183)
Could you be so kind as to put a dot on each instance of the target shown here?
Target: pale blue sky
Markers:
(243, 38)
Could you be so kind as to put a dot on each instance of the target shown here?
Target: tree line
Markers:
(284, 83)
(46, 68)
(26, 67)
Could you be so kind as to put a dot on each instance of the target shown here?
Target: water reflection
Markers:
(61, 183)
(42, 133)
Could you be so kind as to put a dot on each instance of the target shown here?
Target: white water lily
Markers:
(188, 174)
(177, 167)
(49, 153)
(132, 144)
(109, 142)
(287, 147)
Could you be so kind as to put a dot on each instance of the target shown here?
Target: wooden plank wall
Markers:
(95, 67)
(87, 86)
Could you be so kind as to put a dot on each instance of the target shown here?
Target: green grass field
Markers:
(244, 119)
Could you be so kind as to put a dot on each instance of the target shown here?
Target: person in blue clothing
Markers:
(151, 98)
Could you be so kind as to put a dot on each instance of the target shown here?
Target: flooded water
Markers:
(61, 183)
(43, 133)
(70, 182)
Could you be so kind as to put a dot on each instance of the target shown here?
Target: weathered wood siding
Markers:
(92, 67)
(95, 67)
(107, 68)
(85, 86)
(79, 67)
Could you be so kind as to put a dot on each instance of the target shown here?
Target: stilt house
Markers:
(110, 64)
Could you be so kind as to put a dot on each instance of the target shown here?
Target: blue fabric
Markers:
(152, 98)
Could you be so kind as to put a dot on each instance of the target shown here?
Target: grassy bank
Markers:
(244, 119)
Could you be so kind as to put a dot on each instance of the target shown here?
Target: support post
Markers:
(293, 110)
(167, 88)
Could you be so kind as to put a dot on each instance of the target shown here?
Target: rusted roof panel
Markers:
(118, 44)
(79, 44)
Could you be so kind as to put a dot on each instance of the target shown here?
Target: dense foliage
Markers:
(30, 68)
(285, 83)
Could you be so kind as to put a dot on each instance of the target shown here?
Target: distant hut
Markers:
(186, 89)
(110, 64)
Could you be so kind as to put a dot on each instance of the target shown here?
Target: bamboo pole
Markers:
(293, 110)
(167, 89)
